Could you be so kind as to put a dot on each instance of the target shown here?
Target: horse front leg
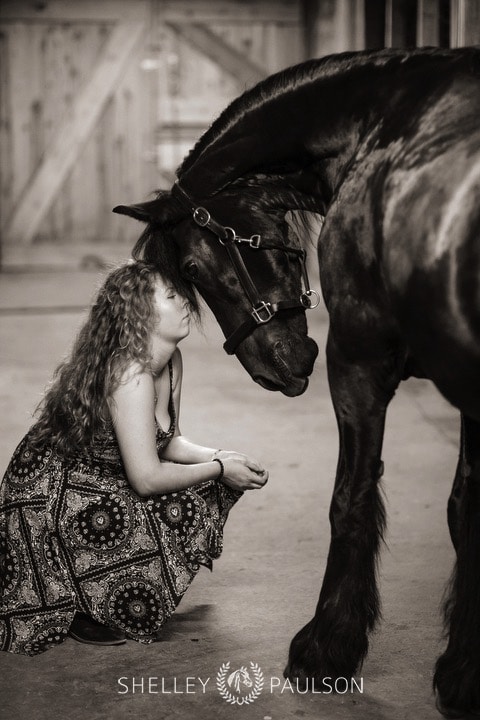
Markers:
(334, 643)
(457, 672)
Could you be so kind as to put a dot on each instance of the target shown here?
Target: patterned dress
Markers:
(74, 535)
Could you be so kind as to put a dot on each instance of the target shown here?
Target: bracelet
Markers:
(222, 469)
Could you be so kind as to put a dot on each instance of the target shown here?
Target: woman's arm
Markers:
(132, 409)
(180, 449)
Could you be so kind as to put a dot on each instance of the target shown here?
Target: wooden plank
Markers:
(400, 23)
(375, 24)
(83, 11)
(334, 26)
(5, 131)
(83, 51)
(286, 11)
(465, 23)
(230, 60)
(357, 32)
(20, 64)
(202, 11)
(428, 22)
(457, 23)
(472, 22)
(71, 59)
(76, 256)
(73, 133)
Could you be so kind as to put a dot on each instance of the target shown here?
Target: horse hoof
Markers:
(295, 675)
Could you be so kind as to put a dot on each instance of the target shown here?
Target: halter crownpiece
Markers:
(262, 311)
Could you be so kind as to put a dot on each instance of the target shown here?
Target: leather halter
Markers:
(262, 311)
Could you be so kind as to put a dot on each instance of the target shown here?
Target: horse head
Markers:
(239, 677)
(236, 249)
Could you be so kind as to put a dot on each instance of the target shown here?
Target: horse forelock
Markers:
(157, 245)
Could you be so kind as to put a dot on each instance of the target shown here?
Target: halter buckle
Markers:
(254, 241)
(263, 312)
(201, 216)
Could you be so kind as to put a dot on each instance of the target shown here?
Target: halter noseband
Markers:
(262, 311)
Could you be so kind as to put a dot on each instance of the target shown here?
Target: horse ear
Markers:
(145, 212)
(162, 210)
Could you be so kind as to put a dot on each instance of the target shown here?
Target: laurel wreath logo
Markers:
(228, 696)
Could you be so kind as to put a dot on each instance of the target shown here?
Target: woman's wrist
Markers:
(215, 455)
(222, 469)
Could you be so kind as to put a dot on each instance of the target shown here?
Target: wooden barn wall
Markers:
(201, 72)
(100, 101)
(49, 63)
(193, 58)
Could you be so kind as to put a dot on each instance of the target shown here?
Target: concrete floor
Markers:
(265, 586)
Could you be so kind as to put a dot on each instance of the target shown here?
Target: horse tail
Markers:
(457, 672)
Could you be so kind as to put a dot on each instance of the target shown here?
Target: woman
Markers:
(106, 510)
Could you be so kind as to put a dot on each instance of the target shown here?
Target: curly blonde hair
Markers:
(116, 333)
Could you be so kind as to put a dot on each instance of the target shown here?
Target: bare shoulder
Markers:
(133, 373)
(135, 379)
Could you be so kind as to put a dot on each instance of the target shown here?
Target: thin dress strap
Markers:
(171, 404)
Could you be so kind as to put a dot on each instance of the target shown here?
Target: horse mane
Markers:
(156, 244)
(299, 75)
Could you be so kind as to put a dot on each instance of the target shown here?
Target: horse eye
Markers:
(191, 270)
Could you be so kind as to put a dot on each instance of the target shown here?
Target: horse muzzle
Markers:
(291, 368)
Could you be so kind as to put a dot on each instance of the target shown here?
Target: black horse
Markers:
(386, 146)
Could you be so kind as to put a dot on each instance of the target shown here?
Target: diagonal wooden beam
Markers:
(60, 156)
(214, 47)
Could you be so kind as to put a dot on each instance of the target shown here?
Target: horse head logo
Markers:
(238, 678)
(240, 687)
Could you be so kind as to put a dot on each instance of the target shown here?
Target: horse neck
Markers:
(299, 130)
(290, 139)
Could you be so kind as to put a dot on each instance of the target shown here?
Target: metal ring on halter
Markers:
(306, 301)
(230, 238)
(201, 216)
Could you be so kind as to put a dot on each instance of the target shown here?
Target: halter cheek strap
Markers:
(262, 311)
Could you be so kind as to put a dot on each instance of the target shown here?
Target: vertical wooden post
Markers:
(5, 131)
(428, 22)
(400, 23)
(375, 24)
(333, 26)
(465, 23)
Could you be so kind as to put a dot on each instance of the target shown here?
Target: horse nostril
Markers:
(297, 358)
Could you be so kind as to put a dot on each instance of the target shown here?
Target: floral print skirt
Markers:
(75, 536)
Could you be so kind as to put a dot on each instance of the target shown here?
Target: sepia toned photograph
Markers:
(240, 359)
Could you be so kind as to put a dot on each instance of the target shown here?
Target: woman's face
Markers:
(173, 321)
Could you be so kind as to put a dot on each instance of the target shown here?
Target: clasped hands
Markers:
(240, 471)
